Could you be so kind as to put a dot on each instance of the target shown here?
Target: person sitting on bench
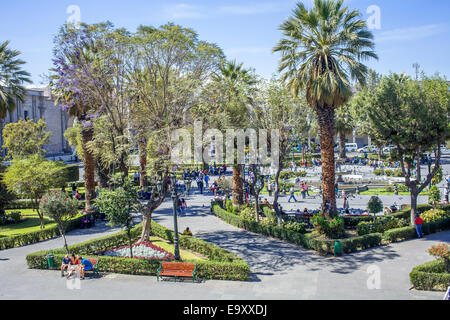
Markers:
(85, 265)
(65, 264)
(74, 265)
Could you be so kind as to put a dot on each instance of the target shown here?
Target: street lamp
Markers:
(173, 180)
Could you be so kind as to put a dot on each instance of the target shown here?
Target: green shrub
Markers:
(247, 214)
(380, 225)
(331, 228)
(16, 215)
(434, 196)
(71, 173)
(430, 276)
(434, 215)
(375, 205)
(294, 226)
(229, 206)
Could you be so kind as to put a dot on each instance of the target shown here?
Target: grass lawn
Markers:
(186, 255)
(30, 223)
(384, 192)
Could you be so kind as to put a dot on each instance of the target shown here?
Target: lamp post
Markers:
(173, 180)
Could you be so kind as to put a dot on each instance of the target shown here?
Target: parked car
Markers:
(368, 149)
(351, 147)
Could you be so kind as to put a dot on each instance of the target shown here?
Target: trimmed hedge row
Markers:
(352, 222)
(322, 246)
(405, 233)
(37, 236)
(430, 276)
(28, 204)
(222, 265)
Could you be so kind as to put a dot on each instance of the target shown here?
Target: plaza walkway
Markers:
(279, 270)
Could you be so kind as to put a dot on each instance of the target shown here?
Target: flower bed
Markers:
(143, 250)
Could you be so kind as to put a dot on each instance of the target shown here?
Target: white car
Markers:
(351, 147)
(368, 149)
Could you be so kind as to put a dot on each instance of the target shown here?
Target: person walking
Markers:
(183, 207)
(306, 189)
(292, 194)
(269, 188)
(206, 178)
(418, 222)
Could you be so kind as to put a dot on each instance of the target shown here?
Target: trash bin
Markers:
(50, 261)
(337, 248)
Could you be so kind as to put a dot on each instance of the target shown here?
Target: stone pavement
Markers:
(279, 270)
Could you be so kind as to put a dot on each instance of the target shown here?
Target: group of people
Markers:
(87, 222)
(76, 264)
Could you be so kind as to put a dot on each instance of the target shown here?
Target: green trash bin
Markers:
(50, 261)
(337, 248)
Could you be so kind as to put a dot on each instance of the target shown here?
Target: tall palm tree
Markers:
(12, 78)
(80, 110)
(321, 51)
(236, 84)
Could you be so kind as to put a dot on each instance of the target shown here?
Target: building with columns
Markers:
(39, 104)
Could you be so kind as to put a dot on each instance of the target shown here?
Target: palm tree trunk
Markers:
(143, 180)
(277, 194)
(87, 135)
(238, 198)
(146, 227)
(326, 124)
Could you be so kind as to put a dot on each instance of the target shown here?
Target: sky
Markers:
(406, 31)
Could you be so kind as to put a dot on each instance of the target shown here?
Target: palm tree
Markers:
(321, 51)
(12, 78)
(236, 84)
(80, 110)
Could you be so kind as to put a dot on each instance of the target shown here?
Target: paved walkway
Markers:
(279, 270)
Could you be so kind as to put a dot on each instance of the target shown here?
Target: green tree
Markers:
(12, 78)
(413, 117)
(375, 205)
(235, 87)
(278, 109)
(5, 196)
(434, 196)
(57, 205)
(32, 177)
(119, 205)
(321, 49)
(25, 138)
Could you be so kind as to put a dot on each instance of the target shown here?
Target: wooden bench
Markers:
(177, 270)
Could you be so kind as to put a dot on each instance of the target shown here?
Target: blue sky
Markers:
(410, 31)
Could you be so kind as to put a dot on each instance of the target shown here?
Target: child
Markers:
(65, 264)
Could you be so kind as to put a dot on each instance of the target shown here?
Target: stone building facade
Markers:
(39, 104)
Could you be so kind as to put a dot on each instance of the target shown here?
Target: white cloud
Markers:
(184, 11)
(410, 33)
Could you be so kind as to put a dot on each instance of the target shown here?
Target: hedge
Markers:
(405, 233)
(28, 204)
(430, 276)
(322, 246)
(352, 222)
(222, 265)
(37, 236)
(71, 173)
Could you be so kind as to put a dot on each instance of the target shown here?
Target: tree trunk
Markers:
(238, 198)
(326, 124)
(143, 180)
(130, 241)
(65, 240)
(146, 227)
(103, 175)
(87, 135)
(342, 154)
(40, 215)
(277, 193)
(414, 195)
